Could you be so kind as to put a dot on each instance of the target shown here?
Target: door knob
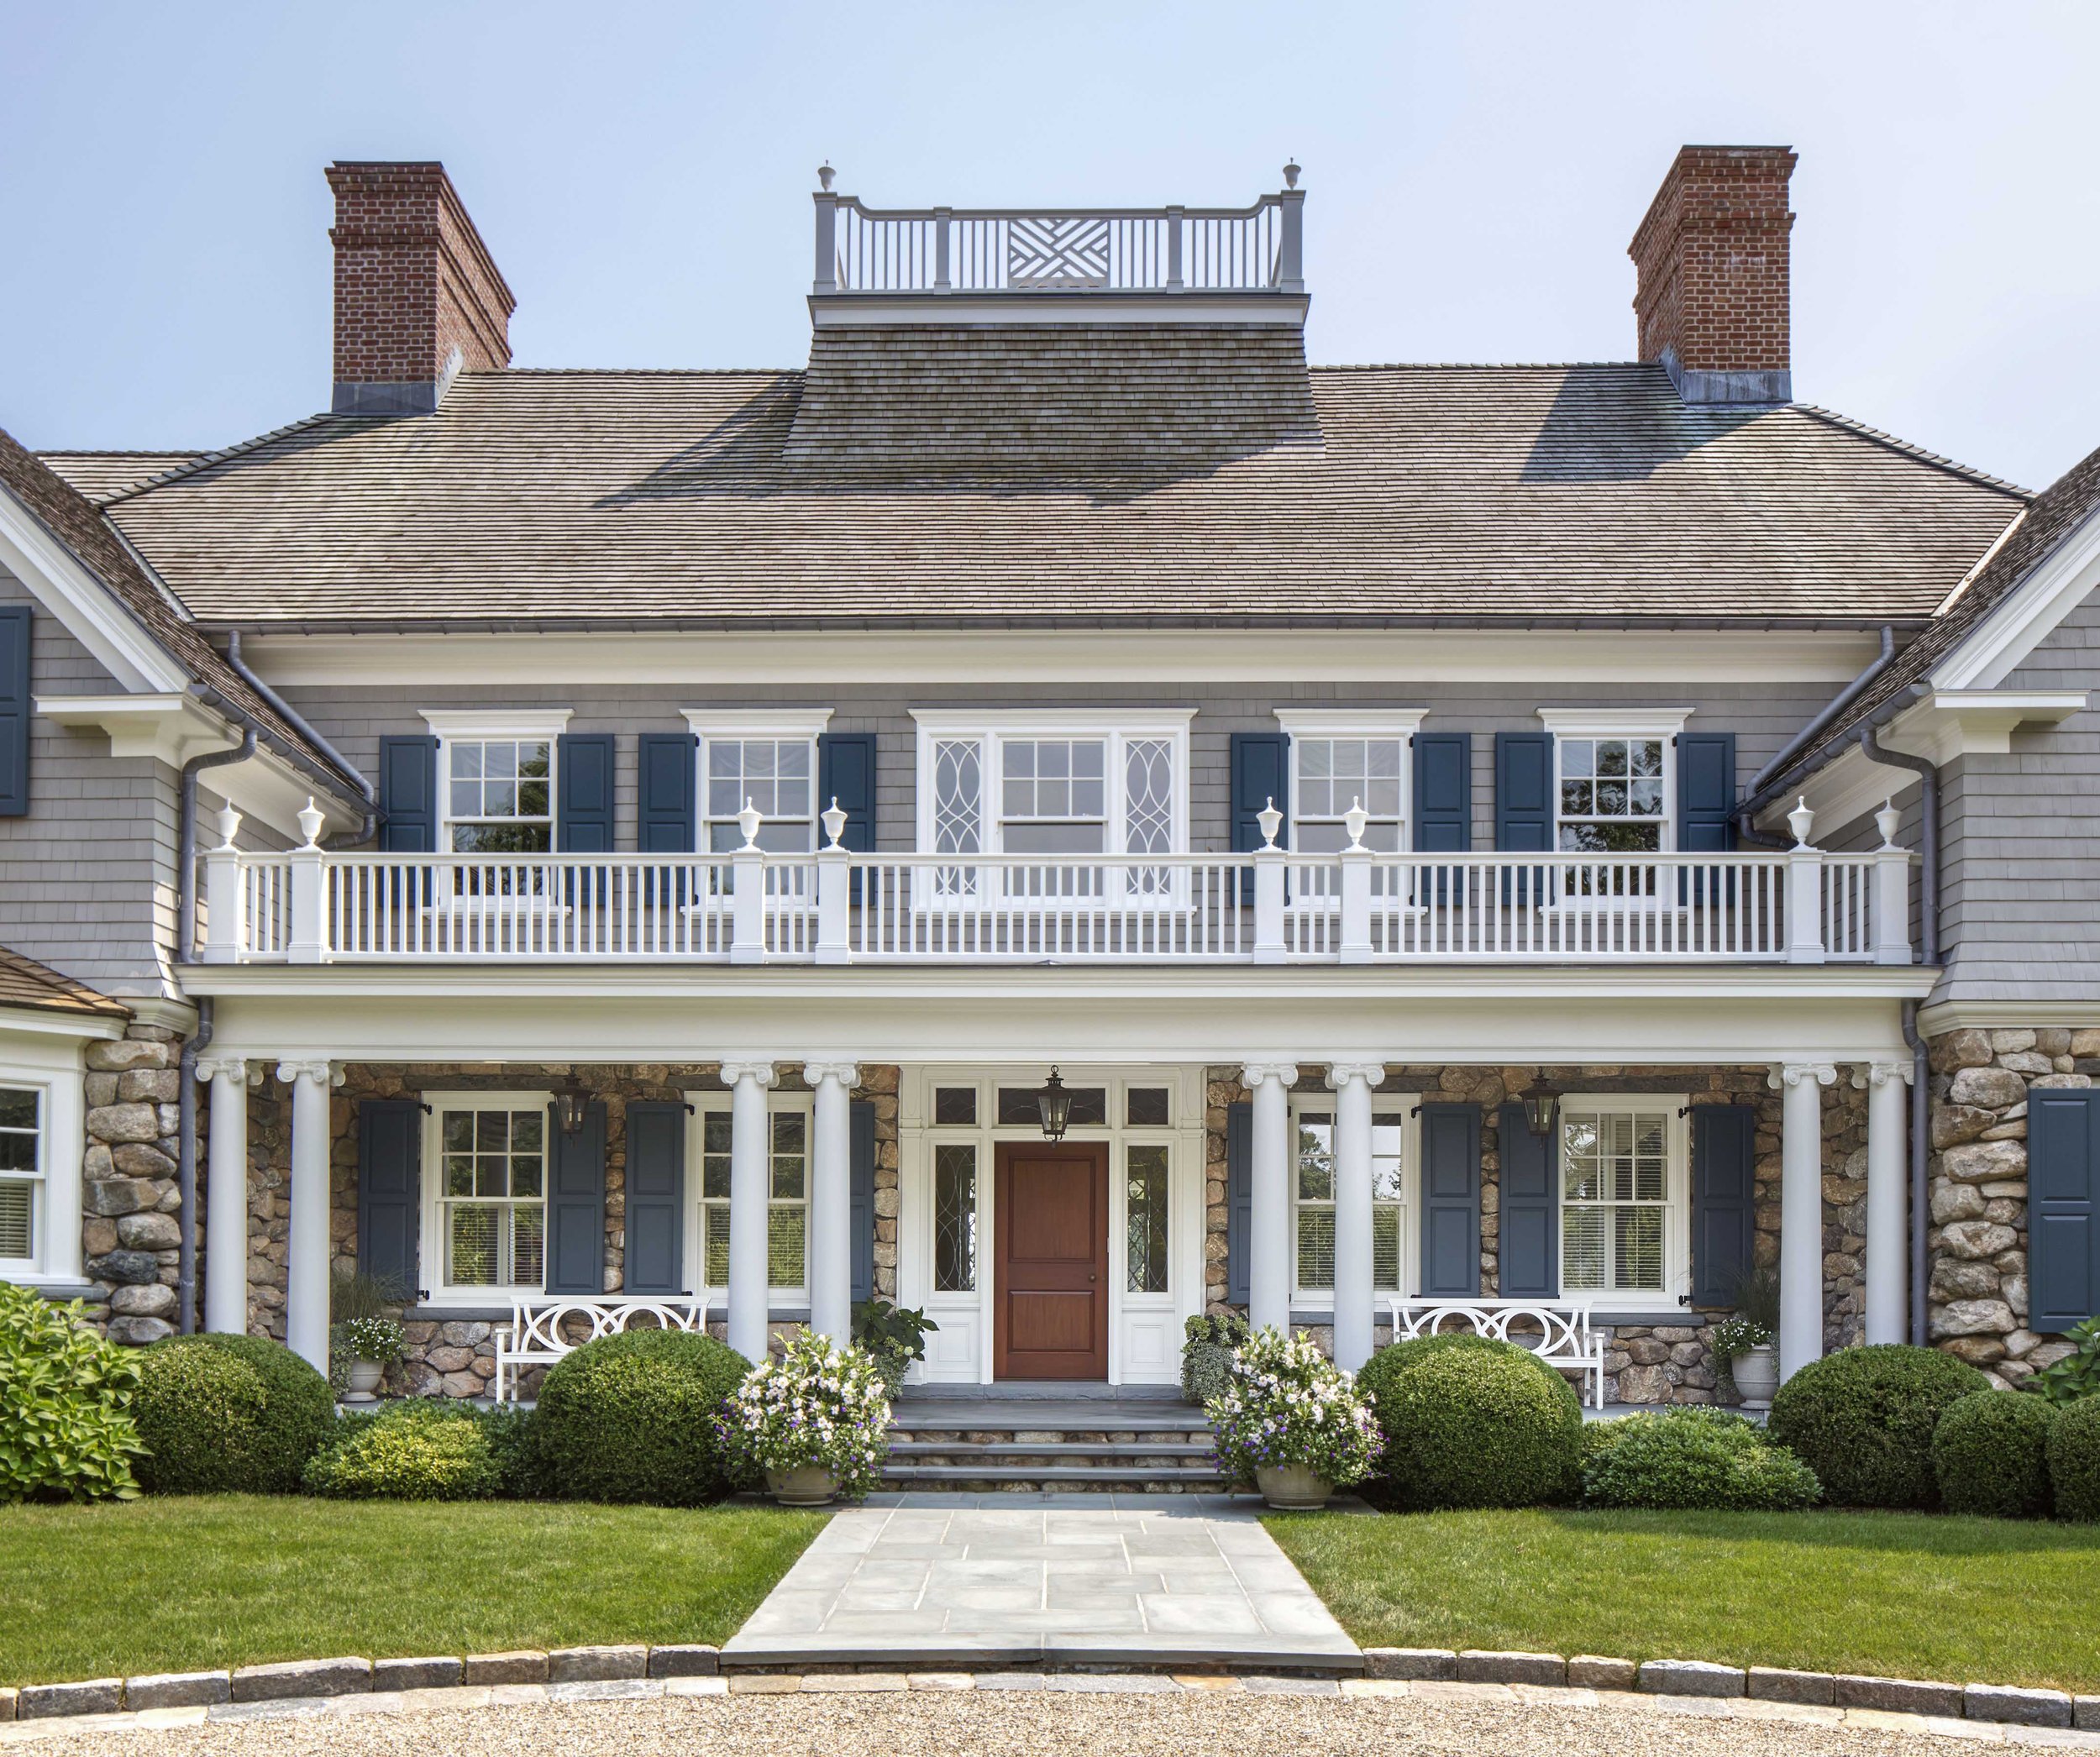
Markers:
(1092, 1278)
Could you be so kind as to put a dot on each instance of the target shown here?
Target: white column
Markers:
(307, 1296)
(1352, 1081)
(226, 1198)
(1888, 1241)
(749, 1163)
(1268, 1242)
(831, 1200)
(1801, 1213)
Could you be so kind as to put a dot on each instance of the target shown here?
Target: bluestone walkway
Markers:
(1154, 1580)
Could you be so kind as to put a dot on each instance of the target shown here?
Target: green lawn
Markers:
(181, 1583)
(1898, 1595)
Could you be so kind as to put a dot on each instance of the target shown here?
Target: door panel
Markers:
(1050, 1269)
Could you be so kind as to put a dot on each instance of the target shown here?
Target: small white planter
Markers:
(365, 1377)
(1756, 1374)
(1292, 1487)
(806, 1485)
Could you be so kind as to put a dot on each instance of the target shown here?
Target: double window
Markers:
(22, 1176)
(1312, 1197)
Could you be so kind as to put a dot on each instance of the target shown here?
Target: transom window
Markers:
(1614, 797)
(787, 1185)
(494, 1203)
(21, 1173)
(499, 795)
(1314, 1199)
(777, 776)
(1615, 1180)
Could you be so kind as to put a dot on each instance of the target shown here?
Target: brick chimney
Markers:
(418, 297)
(1712, 260)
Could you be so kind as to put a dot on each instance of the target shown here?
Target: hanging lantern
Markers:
(1539, 1107)
(1055, 1104)
(572, 1102)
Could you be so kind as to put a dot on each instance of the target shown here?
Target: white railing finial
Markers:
(1802, 821)
(310, 822)
(825, 174)
(1291, 174)
(749, 821)
(1271, 821)
(834, 822)
(1886, 820)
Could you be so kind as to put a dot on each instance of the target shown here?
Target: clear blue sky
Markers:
(641, 174)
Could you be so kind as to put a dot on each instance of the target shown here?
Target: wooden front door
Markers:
(1050, 1267)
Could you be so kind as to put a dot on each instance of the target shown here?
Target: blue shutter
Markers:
(408, 795)
(1450, 1201)
(583, 792)
(1524, 808)
(846, 771)
(667, 790)
(1724, 1200)
(389, 1191)
(1530, 1240)
(2063, 1212)
(15, 628)
(1443, 799)
(1261, 771)
(860, 1207)
(656, 1198)
(576, 1203)
(1239, 1197)
(1706, 809)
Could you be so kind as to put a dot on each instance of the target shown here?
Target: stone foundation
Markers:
(131, 1202)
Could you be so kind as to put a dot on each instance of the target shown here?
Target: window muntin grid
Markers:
(1333, 773)
(1613, 796)
(499, 795)
(777, 776)
(955, 1217)
(493, 1205)
(1146, 1198)
(787, 1188)
(1053, 795)
(21, 1171)
(1615, 1208)
(1313, 1199)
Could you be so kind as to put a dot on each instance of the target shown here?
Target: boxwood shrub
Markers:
(418, 1451)
(1691, 1457)
(2074, 1459)
(228, 1414)
(631, 1418)
(1990, 1454)
(1863, 1420)
(1470, 1421)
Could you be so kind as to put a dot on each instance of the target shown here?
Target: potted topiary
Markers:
(1210, 1341)
(893, 1336)
(1292, 1422)
(1745, 1340)
(365, 1338)
(814, 1420)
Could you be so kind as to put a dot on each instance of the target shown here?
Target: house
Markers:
(1444, 832)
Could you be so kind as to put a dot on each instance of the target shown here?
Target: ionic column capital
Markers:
(234, 1067)
(1884, 1073)
(847, 1073)
(1796, 1073)
(1340, 1073)
(1255, 1073)
(762, 1074)
(322, 1073)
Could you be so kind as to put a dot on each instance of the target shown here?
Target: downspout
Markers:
(298, 722)
(185, 1063)
(1928, 774)
(1745, 830)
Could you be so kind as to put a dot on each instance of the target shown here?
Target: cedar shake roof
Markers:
(99, 474)
(1068, 472)
(25, 983)
(82, 528)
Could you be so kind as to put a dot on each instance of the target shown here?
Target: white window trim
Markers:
(1409, 1105)
(1400, 723)
(781, 724)
(1677, 1215)
(62, 1117)
(431, 1252)
(472, 726)
(1662, 723)
(38, 1177)
(715, 1101)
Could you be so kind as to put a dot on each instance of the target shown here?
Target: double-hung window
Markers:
(787, 1192)
(1622, 1169)
(22, 1200)
(1312, 1197)
(1614, 788)
(766, 757)
(1339, 761)
(496, 780)
(492, 1190)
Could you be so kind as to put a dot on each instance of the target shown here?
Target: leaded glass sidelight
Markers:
(1145, 1199)
(955, 1218)
(958, 811)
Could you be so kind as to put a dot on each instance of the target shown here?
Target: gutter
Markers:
(1746, 829)
(299, 723)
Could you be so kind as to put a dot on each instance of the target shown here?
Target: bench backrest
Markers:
(1548, 1331)
(537, 1327)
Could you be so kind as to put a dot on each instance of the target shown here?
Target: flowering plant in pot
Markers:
(1744, 1342)
(365, 1338)
(1292, 1422)
(813, 1419)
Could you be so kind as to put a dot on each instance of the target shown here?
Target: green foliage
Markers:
(2077, 1375)
(1692, 1458)
(228, 1413)
(631, 1418)
(2074, 1460)
(521, 1473)
(1211, 1340)
(65, 1426)
(1863, 1420)
(1738, 1335)
(814, 1405)
(1756, 1296)
(1470, 1421)
(898, 1331)
(1990, 1454)
(1287, 1403)
(353, 1295)
(416, 1450)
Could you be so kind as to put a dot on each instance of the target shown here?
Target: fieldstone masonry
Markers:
(129, 1230)
(1976, 1298)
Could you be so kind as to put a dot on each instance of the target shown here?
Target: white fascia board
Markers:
(1139, 657)
(498, 722)
(90, 612)
(1351, 722)
(45, 1027)
(1964, 722)
(1995, 1016)
(758, 722)
(1615, 722)
(2001, 643)
(1143, 721)
(172, 726)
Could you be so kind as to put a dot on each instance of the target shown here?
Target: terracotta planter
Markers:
(1756, 1373)
(806, 1485)
(1292, 1487)
(365, 1377)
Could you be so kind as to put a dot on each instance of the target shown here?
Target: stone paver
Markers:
(1152, 1579)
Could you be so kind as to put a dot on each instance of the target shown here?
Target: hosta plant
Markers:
(814, 1405)
(65, 1426)
(2077, 1375)
(1287, 1403)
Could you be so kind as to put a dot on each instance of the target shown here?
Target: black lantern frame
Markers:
(1054, 1104)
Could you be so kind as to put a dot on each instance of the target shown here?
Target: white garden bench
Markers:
(535, 1336)
(1559, 1335)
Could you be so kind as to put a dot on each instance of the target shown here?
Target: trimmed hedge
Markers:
(2074, 1459)
(1692, 1458)
(1991, 1455)
(229, 1415)
(417, 1451)
(1470, 1421)
(631, 1418)
(1863, 1420)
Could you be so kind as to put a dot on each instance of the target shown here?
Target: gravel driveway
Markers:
(1037, 1721)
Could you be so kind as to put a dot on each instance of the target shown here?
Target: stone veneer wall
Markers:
(130, 1199)
(1976, 1298)
(456, 1357)
(1665, 1363)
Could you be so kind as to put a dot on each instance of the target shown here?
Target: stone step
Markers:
(1064, 1476)
(1001, 1451)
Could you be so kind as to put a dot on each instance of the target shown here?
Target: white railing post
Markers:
(1891, 891)
(1174, 220)
(825, 279)
(1356, 890)
(1290, 254)
(943, 218)
(225, 925)
(834, 880)
(1804, 891)
(1268, 889)
(747, 893)
(309, 903)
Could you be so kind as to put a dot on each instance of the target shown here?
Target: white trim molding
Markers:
(89, 611)
(172, 726)
(498, 722)
(1401, 723)
(1625, 722)
(2015, 627)
(758, 722)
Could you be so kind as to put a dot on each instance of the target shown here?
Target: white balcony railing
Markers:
(1802, 906)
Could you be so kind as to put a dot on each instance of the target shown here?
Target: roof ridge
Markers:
(1968, 472)
(205, 460)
